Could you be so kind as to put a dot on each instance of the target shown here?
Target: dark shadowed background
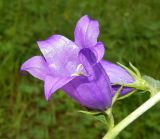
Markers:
(130, 31)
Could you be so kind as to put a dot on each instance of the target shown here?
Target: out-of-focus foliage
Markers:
(130, 31)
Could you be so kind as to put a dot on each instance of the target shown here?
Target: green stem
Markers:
(133, 116)
(111, 119)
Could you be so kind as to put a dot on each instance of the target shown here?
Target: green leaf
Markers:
(101, 118)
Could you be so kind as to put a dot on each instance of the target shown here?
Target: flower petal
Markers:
(61, 55)
(54, 83)
(93, 91)
(99, 51)
(37, 67)
(117, 75)
(86, 32)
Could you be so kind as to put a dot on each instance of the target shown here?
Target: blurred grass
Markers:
(130, 31)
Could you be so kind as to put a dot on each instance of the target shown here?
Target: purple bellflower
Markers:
(76, 67)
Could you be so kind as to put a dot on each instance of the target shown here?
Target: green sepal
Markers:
(115, 97)
(133, 74)
(135, 69)
(90, 112)
(127, 95)
(139, 83)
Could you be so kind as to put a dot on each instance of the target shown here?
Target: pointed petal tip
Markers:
(47, 97)
(36, 66)
(22, 71)
(85, 17)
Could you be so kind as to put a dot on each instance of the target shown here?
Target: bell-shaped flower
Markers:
(74, 66)
(77, 67)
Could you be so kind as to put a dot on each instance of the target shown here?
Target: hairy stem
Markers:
(133, 116)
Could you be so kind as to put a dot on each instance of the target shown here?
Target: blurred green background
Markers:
(130, 31)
